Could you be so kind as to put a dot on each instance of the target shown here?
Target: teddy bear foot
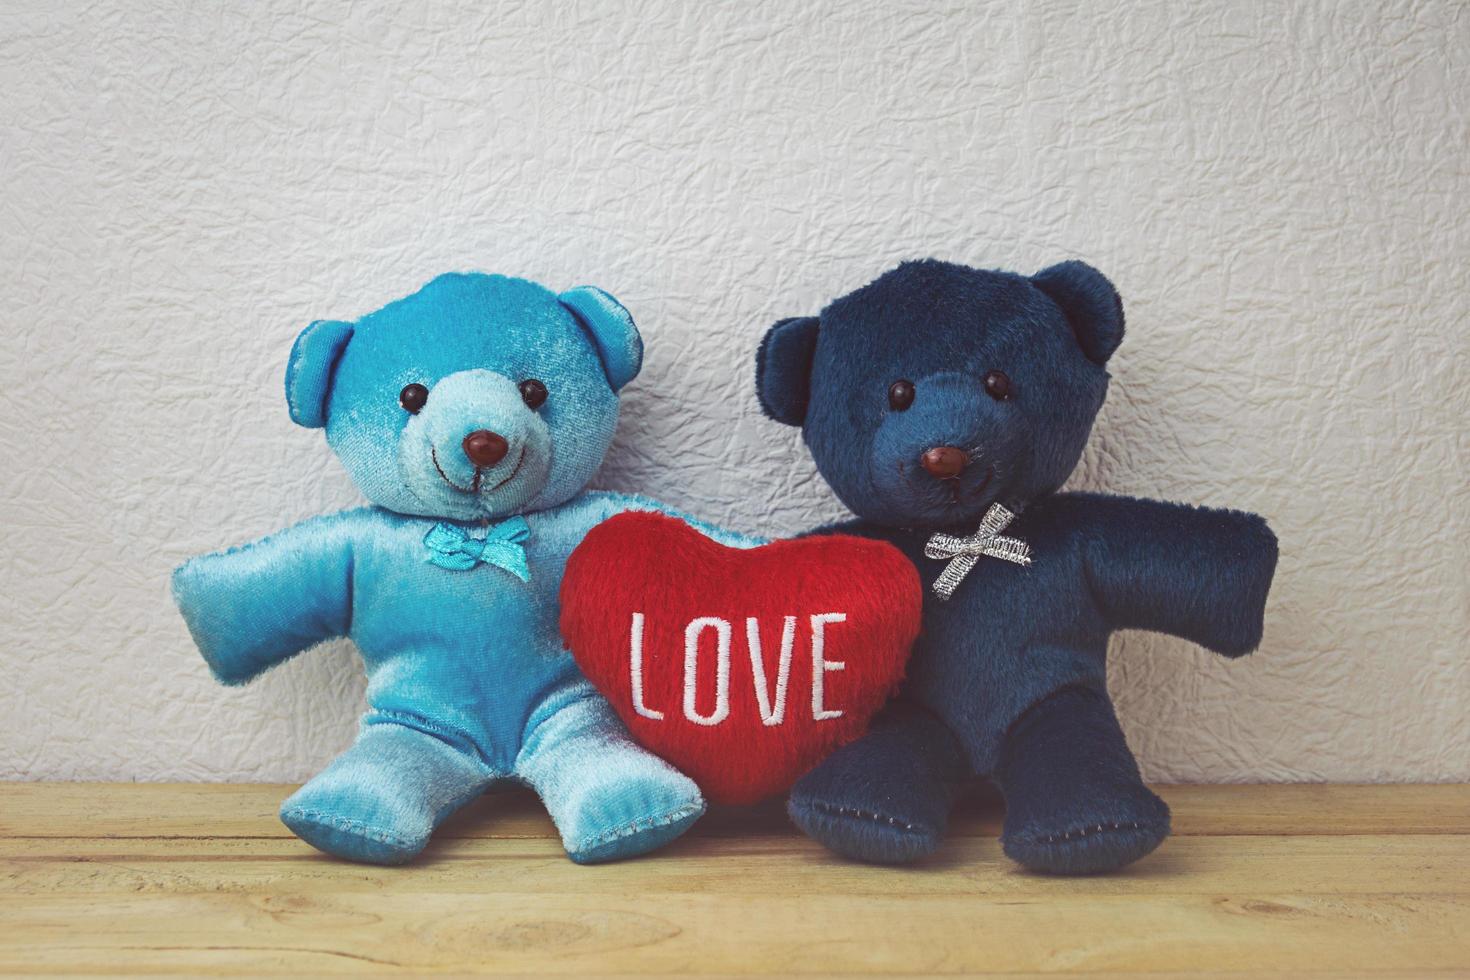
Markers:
(609, 798)
(351, 840)
(1074, 801)
(885, 798)
(380, 801)
(1086, 849)
(864, 835)
(639, 837)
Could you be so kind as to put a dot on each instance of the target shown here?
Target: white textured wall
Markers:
(1279, 190)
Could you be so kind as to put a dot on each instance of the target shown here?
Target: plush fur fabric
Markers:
(471, 339)
(1013, 666)
(468, 683)
(1074, 801)
(887, 794)
(661, 619)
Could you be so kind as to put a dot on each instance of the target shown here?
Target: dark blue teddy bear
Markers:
(945, 406)
(472, 414)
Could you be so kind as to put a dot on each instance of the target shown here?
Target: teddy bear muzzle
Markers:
(476, 447)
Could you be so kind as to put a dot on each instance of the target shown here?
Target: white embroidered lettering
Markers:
(770, 715)
(722, 670)
(635, 646)
(820, 665)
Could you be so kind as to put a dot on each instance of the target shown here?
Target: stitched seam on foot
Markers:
(847, 811)
(1082, 832)
(638, 826)
(351, 827)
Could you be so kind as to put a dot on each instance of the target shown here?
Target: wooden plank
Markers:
(1295, 904)
(707, 934)
(249, 810)
(1430, 864)
(1366, 881)
(1318, 808)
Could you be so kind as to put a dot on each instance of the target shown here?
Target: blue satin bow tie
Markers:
(452, 548)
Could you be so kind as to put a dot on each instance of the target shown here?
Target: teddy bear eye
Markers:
(533, 393)
(998, 385)
(900, 395)
(413, 397)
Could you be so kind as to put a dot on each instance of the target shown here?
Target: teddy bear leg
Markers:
(379, 801)
(1075, 803)
(608, 797)
(886, 797)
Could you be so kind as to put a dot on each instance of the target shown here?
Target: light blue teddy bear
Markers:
(472, 414)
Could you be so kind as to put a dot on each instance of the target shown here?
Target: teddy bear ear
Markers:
(783, 369)
(314, 357)
(612, 329)
(1091, 304)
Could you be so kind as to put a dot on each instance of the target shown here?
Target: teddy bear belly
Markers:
(486, 699)
(1007, 638)
(979, 666)
(470, 653)
(481, 692)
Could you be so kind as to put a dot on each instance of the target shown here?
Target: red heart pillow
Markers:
(743, 668)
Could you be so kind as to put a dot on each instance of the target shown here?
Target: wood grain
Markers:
(249, 810)
(1370, 881)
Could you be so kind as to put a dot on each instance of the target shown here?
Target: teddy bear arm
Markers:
(252, 607)
(1193, 572)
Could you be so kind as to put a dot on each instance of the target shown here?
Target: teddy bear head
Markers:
(476, 397)
(937, 390)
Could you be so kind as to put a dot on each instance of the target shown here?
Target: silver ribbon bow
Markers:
(965, 552)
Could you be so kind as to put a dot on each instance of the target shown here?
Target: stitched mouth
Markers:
(513, 471)
(474, 487)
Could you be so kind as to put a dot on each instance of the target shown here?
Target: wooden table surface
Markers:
(157, 878)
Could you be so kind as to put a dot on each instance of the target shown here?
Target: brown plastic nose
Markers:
(485, 448)
(945, 462)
